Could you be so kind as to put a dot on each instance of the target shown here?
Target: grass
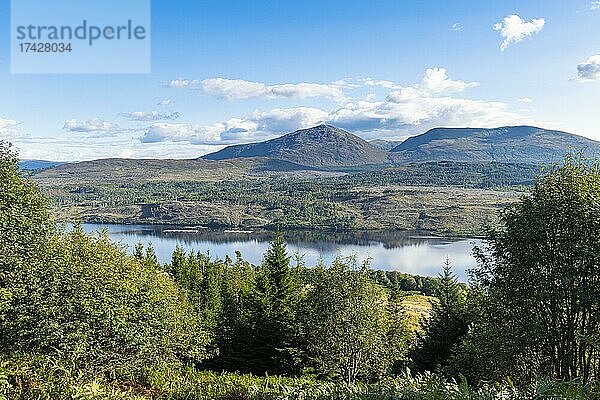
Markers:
(416, 307)
(47, 380)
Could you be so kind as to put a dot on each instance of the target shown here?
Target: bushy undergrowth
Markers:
(43, 378)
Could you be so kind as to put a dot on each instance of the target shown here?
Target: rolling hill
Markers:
(37, 165)
(320, 146)
(522, 144)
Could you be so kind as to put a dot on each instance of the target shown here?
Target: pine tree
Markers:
(445, 328)
(279, 276)
(275, 300)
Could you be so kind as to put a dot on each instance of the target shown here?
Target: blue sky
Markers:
(237, 71)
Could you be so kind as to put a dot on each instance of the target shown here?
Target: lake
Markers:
(387, 250)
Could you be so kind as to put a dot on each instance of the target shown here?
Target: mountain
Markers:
(384, 144)
(523, 144)
(119, 170)
(320, 146)
(37, 165)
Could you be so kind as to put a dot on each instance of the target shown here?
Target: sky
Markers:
(229, 72)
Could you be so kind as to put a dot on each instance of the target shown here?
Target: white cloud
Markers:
(457, 26)
(589, 70)
(369, 82)
(165, 102)
(150, 116)
(514, 29)
(233, 89)
(96, 125)
(436, 81)
(195, 134)
(419, 114)
(7, 123)
(8, 128)
(405, 111)
(525, 100)
(183, 83)
(237, 89)
(256, 126)
(65, 147)
(595, 5)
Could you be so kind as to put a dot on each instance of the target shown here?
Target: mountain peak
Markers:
(319, 146)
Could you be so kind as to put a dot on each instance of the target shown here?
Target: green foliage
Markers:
(80, 319)
(354, 331)
(40, 379)
(25, 223)
(277, 306)
(80, 300)
(446, 327)
(401, 282)
(89, 303)
(540, 277)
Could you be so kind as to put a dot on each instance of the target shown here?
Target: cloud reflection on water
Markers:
(387, 250)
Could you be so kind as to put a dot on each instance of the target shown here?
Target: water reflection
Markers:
(388, 250)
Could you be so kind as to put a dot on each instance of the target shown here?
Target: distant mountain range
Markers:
(321, 146)
(327, 146)
(520, 144)
(325, 149)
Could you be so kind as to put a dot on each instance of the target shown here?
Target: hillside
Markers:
(37, 165)
(320, 146)
(523, 144)
(152, 170)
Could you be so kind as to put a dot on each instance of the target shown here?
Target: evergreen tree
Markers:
(276, 308)
(446, 327)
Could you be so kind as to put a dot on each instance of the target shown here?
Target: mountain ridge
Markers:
(520, 143)
(319, 146)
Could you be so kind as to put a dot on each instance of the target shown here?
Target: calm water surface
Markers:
(388, 250)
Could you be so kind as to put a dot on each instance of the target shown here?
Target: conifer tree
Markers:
(276, 303)
(446, 327)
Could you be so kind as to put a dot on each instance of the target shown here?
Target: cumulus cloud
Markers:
(420, 114)
(7, 123)
(595, 5)
(94, 125)
(63, 146)
(8, 127)
(456, 27)
(237, 89)
(165, 102)
(434, 82)
(150, 116)
(525, 100)
(513, 29)
(256, 126)
(406, 110)
(589, 70)
(195, 134)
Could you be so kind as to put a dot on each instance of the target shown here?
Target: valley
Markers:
(322, 178)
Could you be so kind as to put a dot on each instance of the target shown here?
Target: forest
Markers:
(443, 198)
(82, 318)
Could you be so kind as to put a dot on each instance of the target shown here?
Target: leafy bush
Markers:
(80, 300)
